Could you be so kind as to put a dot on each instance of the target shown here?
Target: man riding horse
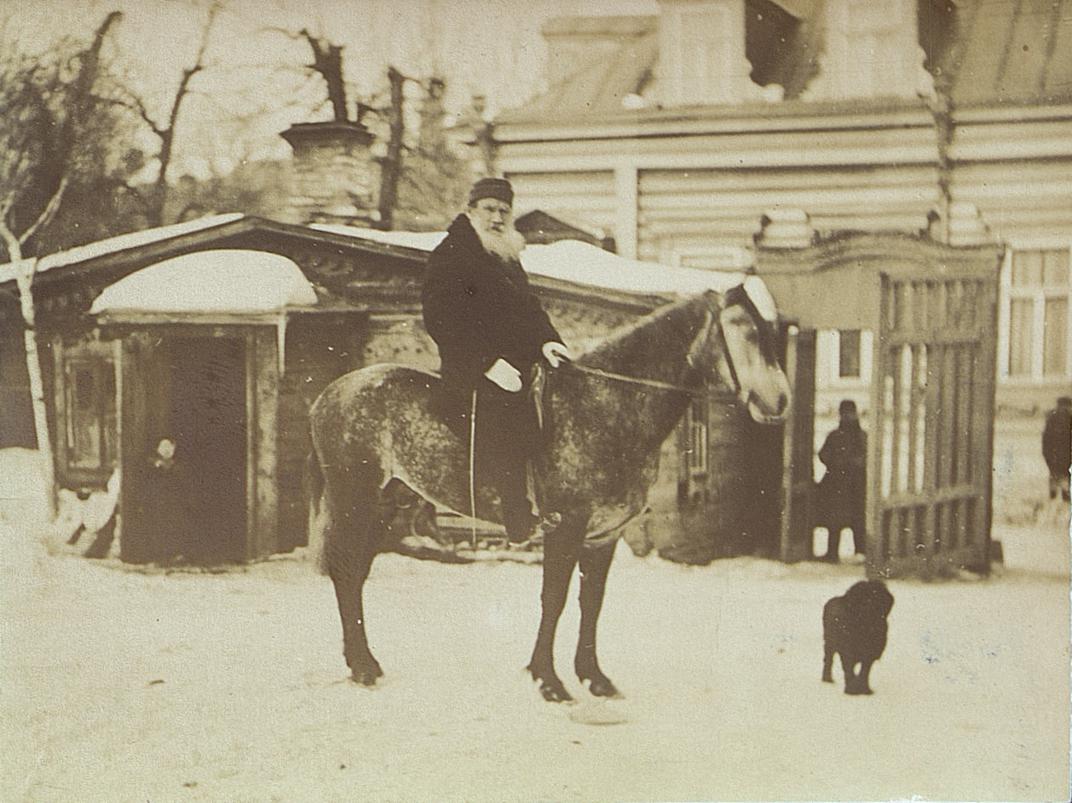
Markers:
(610, 415)
(492, 334)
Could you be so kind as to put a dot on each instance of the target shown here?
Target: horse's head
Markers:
(741, 350)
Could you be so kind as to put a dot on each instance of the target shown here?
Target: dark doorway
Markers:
(204, 512)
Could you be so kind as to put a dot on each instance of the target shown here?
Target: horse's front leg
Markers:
(595, 564)
(559, 558)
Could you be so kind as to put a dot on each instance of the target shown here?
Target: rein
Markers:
(634, 380)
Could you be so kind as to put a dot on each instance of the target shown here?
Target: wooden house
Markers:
(676, 132)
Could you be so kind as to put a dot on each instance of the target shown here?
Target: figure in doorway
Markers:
(843, 488)
(1057, 446)
(168, 489)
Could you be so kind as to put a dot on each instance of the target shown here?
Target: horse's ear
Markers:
(696, 347)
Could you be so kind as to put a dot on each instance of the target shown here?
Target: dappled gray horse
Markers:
(608, 415)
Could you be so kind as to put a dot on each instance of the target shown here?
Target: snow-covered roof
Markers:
(122, 242)
(581, 263)
(207, 282)
(566, 260)
(420, 240)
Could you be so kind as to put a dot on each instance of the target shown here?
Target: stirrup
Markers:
(544, 527)
(550, 522)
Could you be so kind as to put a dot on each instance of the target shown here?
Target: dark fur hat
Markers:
(498, 188)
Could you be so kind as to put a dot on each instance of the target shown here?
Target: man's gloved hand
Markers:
(556, 353)
(504, 375)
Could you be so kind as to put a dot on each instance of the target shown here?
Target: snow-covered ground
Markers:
(119, 684)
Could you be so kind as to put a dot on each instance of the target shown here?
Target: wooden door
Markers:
(208, 423)
(931, 446)
(192, 391)
(798, 447)
(144, 388)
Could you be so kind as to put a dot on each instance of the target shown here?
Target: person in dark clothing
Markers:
(843, 489)
(492, 334)
(167, 488)
(1057, 446)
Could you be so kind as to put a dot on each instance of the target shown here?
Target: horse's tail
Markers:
(314, 478)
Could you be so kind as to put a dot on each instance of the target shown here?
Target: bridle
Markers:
(658, 384)
(735, 296)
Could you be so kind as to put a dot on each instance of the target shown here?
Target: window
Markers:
(91, 414)
(1038, 291)
(710, 257)
(843, 358)
(849, 354)
(696, 440)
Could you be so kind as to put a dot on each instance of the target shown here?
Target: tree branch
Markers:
(11, 242)
(327, 60)
(5, 207)
(49, 212)
(167, 135)
(134, 103)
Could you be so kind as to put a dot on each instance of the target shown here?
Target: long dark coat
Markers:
(478, 308)
(843, 489)
(1057, 442)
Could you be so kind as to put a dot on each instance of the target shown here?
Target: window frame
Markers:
(100, 358)
(829, 343)
(697, 458)
(724, 257)
(1038, 296)
(841, 333)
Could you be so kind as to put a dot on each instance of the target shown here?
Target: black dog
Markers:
(854, 626)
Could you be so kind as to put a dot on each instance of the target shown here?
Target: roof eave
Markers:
(678, 121)
(244, 225)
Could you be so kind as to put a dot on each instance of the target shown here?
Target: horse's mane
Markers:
(675, 322)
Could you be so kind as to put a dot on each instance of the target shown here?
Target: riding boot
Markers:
(859, 540)
(833, 544)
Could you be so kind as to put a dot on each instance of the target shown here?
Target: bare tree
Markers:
(434, 179)
(155, 198)
(328, 65)
(418, 173)
(327, 62)
(28, 104)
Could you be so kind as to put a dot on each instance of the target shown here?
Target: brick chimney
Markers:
(334, 178)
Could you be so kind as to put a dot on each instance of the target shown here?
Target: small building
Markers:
(219, 333)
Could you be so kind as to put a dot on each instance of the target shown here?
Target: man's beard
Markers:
(506, 245)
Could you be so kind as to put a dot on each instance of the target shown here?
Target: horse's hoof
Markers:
(602, 687)
(366, 677)
(554, 692)
(366, 674)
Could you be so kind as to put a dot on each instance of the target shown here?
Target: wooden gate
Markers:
(931, 445)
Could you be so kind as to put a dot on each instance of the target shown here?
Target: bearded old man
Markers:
(492, 333)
